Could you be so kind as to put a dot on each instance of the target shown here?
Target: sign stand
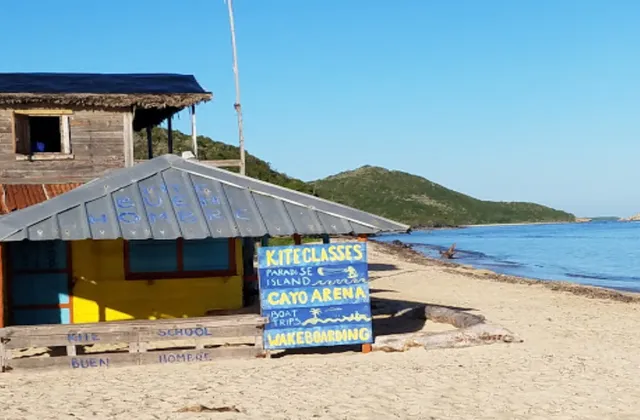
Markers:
(366, 348)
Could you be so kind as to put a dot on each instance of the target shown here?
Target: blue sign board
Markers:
(315, 295)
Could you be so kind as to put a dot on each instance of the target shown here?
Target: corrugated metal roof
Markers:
(169, 197)
(19, 196)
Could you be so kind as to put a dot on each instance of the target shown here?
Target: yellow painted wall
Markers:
(101, 292)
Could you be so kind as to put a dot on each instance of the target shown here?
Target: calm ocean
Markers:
(605, 254)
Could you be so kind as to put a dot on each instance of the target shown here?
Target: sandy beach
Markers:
(579, 360)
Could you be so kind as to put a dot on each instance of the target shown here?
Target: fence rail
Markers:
(110, 344)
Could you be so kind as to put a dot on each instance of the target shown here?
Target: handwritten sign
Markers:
(92, 362)
(315, 295)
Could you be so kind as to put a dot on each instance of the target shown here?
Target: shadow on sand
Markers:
(383, 323)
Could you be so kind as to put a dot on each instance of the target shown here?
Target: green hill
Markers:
(214, 150)
(417, 201)
(397, 195)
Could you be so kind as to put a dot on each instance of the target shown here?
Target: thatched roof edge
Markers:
(87, 100)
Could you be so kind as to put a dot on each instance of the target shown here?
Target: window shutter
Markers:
(21, 134)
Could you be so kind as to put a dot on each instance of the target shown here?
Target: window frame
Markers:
(65, 134)
(180, 273)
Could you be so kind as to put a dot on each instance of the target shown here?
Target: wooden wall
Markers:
(55, 282)
(101, 293)
(97, 143)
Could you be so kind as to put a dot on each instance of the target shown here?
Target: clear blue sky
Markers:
(534, 100)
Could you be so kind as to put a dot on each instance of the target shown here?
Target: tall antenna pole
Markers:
(237, 105)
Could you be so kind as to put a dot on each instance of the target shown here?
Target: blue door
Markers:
(39, 273)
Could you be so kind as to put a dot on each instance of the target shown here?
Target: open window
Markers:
(42, 135)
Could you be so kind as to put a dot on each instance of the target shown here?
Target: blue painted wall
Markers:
(39, 283)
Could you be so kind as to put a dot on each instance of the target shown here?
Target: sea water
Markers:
(604, 254)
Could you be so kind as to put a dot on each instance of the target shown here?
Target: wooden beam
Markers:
(194, 136)
(149, 143)
(3, 282)
(227, 163)
(44, 112)
(128, 139)
(170, 134)
(366, 348)
(46, 156)
(65, 133)
(216, 163)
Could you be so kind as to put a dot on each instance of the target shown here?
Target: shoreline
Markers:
(421, 228)
(407, 252)
(519, 224)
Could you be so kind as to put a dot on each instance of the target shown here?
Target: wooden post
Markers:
(3, 282)
(326, 239)
(149, 143)
(128, 139)
(170, 134)
(297, 239)
(194, 137)
(366, 348)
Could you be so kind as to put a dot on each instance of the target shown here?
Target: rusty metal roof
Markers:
(20, 196)
(169, 197)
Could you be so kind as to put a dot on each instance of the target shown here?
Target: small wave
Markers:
(586, 276)
(603, 277)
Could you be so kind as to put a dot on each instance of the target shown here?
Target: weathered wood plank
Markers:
(3, 357)
(96, 361)
(75, 337)
(3, 285)
(44, 111)
(110, 360)
(196, 356)
(227, 163)
(128, 139)
(217, 321)
(197, 334)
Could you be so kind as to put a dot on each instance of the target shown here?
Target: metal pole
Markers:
(237, 105)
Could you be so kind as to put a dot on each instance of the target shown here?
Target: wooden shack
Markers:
(162, 239)
(59, 128)
(168, 240)
(89, 235)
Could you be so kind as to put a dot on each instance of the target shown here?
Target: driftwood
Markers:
(472, 330)
(449, 253)
(465, 337)
(199, 408)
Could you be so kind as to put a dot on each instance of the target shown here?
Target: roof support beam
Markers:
(128, 139)
(3, 283)
(194, 137)
(149, 143)
(170, 134)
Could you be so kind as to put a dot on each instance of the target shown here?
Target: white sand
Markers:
(580, 360)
